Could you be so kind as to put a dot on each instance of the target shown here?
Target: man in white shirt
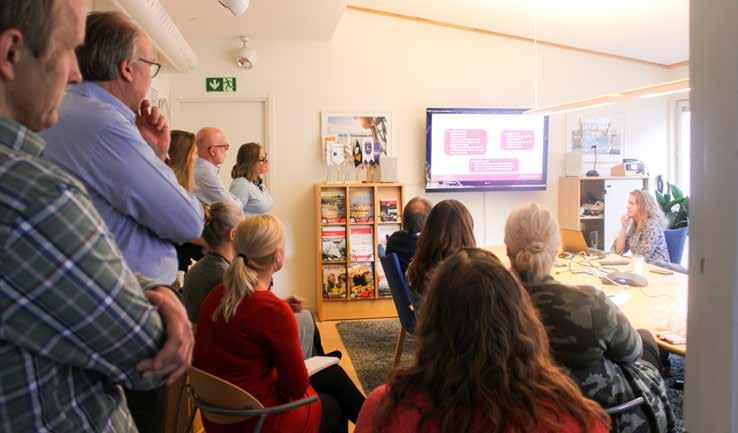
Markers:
(211, 151)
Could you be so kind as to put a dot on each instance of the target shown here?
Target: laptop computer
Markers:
(572, 241)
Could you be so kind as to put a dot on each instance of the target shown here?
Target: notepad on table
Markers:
(319, 363)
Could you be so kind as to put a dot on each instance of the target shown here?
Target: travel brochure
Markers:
(362, 243)
(333, 206)
(334, 281)
(361, 280)
(362, 207)
(388, 210)
(334, 243)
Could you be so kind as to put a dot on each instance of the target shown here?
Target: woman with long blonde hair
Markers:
(248, 336)
(612, 362)
(482, 364)
(642, 228)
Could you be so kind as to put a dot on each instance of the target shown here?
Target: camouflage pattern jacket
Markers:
(592, 339)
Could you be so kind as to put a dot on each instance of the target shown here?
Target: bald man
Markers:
(211, 152)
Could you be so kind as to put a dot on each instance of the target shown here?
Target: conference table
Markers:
(660, 307)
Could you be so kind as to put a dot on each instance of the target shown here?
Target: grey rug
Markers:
(371, 346)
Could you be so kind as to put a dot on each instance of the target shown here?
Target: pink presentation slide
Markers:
(487, 147)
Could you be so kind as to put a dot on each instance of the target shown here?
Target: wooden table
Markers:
(660, 306)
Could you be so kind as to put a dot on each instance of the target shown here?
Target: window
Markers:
(682, 145)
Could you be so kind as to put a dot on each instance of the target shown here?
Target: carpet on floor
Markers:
(371, 346)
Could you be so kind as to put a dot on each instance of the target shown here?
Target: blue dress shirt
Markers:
(208, 186)
(136, 194)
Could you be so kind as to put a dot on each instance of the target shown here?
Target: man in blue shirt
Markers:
(115, 142)
(211, 151)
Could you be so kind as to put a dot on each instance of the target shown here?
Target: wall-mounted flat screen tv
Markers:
(485, 149)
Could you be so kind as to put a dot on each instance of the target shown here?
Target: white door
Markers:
(242, 121)
(616, 202)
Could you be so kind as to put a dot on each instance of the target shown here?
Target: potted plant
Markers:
(675, 206)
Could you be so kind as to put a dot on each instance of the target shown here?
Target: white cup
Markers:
(637, 264)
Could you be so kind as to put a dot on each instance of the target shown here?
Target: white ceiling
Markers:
(650, 30)
(265, 19)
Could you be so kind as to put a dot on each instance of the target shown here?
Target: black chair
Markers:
(401, 297)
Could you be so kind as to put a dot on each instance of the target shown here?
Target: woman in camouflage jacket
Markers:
(588, 334)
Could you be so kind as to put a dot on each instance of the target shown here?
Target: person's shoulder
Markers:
(654, 224)
(554, 295)
(34, 180)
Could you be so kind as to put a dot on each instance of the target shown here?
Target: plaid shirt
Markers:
(73, 319)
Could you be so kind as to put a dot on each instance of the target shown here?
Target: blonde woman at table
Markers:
(642, 229)
(248, 185)
(589, 335)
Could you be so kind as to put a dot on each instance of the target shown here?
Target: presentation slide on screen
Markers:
(486, 147)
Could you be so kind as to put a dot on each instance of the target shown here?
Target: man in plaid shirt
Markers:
(75, 323)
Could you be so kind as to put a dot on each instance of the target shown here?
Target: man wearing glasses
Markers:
(115, 142)
(212, 147)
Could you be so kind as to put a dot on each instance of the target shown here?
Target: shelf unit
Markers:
(612, 190)
(349, 307)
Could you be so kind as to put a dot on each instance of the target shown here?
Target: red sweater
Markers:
(259, 351)
(405, 419)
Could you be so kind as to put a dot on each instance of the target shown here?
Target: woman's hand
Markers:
(625, 221)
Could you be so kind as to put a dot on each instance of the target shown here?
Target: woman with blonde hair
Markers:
(248, 183)
(182, 158)
(589, 335)
(642, 228)
(248, 336)
(482, 363)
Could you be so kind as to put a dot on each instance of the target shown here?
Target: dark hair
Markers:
(110, 38)
(180, 156)
(33, 18)
(482, 361)
(415, 214)
(449, 228)
(246, 160)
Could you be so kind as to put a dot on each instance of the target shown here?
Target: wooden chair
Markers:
(221, 402)
(401, 298)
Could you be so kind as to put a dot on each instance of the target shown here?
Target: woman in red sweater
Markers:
(482, 363)
(248, 336)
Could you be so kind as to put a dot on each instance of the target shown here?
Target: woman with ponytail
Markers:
(248, 336)
(589, 335)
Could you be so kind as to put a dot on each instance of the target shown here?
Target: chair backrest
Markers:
(381, 250)
(400, 291)
(217, 392)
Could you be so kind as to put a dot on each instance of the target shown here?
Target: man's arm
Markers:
(210, 189)
(67, 294)
(136, 183)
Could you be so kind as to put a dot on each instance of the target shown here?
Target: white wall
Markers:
(379, 63)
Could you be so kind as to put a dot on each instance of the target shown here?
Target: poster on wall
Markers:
(603, 133)
(360, 137)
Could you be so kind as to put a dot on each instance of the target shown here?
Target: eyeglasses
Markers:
(226, 146)
(264, 160)
(153, 67)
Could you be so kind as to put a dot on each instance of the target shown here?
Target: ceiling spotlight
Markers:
(237, 7)
(246, 56)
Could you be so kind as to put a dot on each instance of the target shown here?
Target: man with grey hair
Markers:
(75, 321)
(404, 242)
(111, 138)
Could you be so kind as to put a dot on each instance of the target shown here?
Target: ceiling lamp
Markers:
(246, 57)
(237, 7)
(661, 89)
(582, 104)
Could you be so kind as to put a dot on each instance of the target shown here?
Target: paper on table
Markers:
(319, 363)
(619, 298)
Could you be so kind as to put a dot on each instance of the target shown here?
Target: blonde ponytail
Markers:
(257, 240)
(532, 239)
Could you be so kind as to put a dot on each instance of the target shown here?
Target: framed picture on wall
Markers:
(603, 133)
(358, 136)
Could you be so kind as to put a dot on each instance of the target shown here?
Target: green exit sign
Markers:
(220, 84)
